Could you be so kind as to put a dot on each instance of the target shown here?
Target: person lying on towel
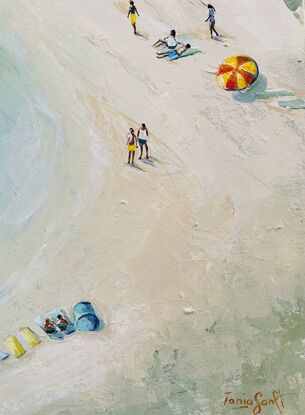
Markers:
(174, 53)
(62, 323)
(49, 326)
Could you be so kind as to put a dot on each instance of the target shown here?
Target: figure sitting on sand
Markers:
(211, 18)
(174, 53)
(131, 143)
(62, 323)
(142, 140)
(49, 326)
(133, 12)
(169, 41)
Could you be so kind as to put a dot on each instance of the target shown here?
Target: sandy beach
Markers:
(195, 258)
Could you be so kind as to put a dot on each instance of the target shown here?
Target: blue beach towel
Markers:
(70, 327)
(184, 39)
(189, 52)
(57, 335)
(3, 356)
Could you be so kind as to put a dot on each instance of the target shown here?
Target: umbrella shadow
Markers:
(293, 5)
(295, 104)
(258, 91)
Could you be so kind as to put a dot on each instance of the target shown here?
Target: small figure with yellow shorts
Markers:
(133, 12)
(132, 144)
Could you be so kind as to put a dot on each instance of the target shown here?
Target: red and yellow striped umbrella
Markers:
(237, 73)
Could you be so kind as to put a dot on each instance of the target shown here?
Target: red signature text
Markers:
(256, 403)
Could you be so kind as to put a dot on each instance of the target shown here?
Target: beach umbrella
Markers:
(237, 73)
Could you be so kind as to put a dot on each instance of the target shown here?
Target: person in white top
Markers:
(142, 140)
(211, 18)
(169, 41)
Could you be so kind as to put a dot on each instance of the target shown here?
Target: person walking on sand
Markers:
(133, 12)
(142, 140)
(131, 143)
(211, 18)
(169, 41)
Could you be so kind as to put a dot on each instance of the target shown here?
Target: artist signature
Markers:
(257, 403)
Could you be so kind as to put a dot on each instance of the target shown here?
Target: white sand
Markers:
(214, 224)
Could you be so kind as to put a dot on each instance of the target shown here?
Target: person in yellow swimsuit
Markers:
(133, 12)
(132, 144)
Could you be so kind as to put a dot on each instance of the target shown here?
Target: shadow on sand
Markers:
(142, 35)
(149, 162)
(259, 91)
(135, 166)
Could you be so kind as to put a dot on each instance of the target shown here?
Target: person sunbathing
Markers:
(49, 326)
(62, 323)
(174, 53)
(169, 41)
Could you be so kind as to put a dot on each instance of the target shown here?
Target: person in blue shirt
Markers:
(211, 18)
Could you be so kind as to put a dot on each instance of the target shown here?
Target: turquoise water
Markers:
(29, 137)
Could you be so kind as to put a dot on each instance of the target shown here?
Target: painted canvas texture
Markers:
(152, 190)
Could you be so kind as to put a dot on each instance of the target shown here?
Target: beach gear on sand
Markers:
(85, 317)
(14, 346)
(237, 73)
(29, 336)
(3, 356)
(189, 52)
(57, 335)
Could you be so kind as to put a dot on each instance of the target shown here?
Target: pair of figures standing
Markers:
(133, 140)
